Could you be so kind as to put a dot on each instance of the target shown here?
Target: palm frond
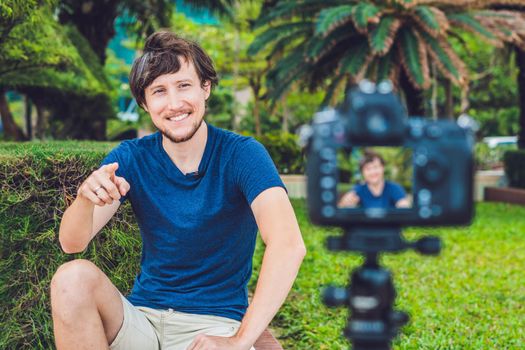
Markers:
(447, 61)
(470, 23)
(355, 62)
(288, 30)
(333, 89)
(363, 14)
(382, 36)
(431, 19)
(413, 55)
(287, 9)
(320, 46)
(383, 67)
(332, 17)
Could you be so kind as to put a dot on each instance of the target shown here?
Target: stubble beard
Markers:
(175, 139)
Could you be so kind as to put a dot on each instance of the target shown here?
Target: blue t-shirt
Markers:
(198, 230)
(392, 193)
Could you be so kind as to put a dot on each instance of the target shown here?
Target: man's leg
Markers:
(87, 308)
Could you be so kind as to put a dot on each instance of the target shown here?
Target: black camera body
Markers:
(442, 161)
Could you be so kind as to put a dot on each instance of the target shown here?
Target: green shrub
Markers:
(515, 167)
(37, 181)
(285, 152)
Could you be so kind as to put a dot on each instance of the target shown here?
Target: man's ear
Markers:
(207, 88)
(144, 107)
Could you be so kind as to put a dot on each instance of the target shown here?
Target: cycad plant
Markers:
(337, 42)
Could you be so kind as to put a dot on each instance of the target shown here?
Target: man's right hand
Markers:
(103, 186)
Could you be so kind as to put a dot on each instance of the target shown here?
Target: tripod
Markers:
(370, 295)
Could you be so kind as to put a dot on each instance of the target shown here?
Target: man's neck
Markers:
(187, 155)
(377, 188)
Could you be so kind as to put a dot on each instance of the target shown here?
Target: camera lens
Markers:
(433, 171)
(376, 122)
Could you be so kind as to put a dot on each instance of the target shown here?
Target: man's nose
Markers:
(174, 100)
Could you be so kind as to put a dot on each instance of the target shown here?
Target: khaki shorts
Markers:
(145, 328)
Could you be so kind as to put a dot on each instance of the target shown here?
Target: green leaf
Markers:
(427, 19)
(384, 65)
(412, 61)
(319, 46)
(382, 36)
(354, 61)
(443, 57)
(332, 88)
(289, 8)
(275, 33)
(468, 21)
(363, 13)
(330, 17)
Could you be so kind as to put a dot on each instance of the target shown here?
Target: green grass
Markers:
(472, 296)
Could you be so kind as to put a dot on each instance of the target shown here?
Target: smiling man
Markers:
(375, 192)
(200, 194)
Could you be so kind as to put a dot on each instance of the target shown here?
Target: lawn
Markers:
(472, 296)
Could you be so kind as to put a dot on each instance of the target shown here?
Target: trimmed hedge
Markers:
(515, 167)
(37, 181)
(285, 152)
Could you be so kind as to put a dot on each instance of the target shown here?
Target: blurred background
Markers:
(64, 64)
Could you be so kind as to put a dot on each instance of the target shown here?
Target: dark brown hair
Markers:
(368, 157)
(162, 53)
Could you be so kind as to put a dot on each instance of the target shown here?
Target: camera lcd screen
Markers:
(375, 179)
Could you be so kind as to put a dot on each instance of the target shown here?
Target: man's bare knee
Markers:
(74, 283)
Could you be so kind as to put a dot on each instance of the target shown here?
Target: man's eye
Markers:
(157, 91)
(185, 85)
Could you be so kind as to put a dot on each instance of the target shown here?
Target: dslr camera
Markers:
(372, 115)
(439, 165)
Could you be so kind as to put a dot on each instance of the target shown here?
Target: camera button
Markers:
(425, 212)
(424, 197)
(327, 182)
(328, 211)
(434, 131)
(327, 196)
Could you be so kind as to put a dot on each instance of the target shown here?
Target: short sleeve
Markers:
(254, 169)
(120, 155)
(397, 192)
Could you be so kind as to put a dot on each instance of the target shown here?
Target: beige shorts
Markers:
(145, 328)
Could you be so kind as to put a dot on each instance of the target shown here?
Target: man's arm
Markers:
(403, 203)
(349, 199)
(96, 202)
(284, 253)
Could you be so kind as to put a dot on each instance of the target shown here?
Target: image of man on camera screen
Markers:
(375, 192)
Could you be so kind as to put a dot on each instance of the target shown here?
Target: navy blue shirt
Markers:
(198, 230)
(392, 193)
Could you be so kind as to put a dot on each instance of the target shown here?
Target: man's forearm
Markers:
(278, 271)
(76, 226)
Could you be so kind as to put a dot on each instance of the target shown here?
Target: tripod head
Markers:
(370, 295)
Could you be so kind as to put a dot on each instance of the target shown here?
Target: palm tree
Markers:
(333, 43)
(519, 49)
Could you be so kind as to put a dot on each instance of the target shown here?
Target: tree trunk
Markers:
(449, 100)
(286, 115)
(28, 111)
(95, 20)
(520, 61)
(42, 121)
(414, 97)
(11, 130)
(256, 116)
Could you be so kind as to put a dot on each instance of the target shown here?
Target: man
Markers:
(375, 192)
(199, 194)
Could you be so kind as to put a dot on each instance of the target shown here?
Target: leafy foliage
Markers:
(514, 162)
(402, 37)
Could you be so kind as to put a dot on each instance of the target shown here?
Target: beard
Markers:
(188, 136)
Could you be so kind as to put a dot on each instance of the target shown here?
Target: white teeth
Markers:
(179, 117)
